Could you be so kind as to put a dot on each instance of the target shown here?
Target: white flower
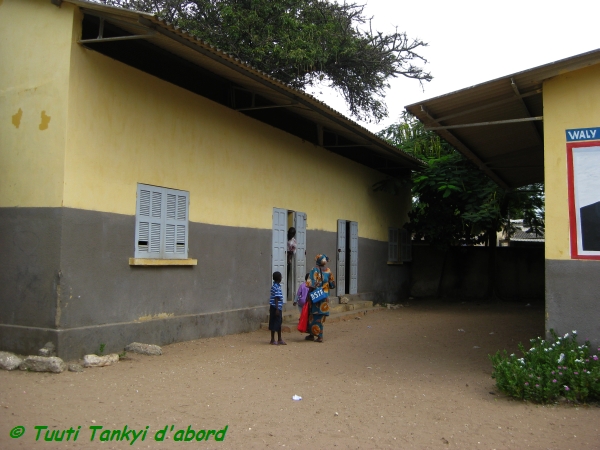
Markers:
(560, 359)
(512, 354)
(566, 335)
(545, 349)
(532, 349)
(574, 331)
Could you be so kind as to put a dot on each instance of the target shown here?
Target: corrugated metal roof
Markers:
(511, 153)
(527, 236)
(184, 45)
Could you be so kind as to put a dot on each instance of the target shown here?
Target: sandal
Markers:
(273, 343)
(320, 340)
(310, 337)
(281, 342)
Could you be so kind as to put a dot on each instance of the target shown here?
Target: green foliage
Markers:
(454, 203)
(410, 136)
(101, 349)
(549, 370)
(301, 42)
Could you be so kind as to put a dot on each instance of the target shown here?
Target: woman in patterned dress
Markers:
(320, 277)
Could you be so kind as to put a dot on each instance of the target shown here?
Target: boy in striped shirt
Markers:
(275, 308)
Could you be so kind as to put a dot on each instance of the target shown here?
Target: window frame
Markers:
(161, 223)
(393, 246)
(399, 246)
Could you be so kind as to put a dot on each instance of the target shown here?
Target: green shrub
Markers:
(549, 370)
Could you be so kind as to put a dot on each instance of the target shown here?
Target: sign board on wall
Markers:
(583, 171)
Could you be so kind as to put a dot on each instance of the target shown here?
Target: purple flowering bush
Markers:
(550, 369)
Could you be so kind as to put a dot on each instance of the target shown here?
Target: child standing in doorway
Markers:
(275, 310)
(301, 295)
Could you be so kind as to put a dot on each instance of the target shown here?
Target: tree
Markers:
(302, 43)
(454, 203)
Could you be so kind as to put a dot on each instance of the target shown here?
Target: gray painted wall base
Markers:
(65, 278)
(464, 272)
(572, 298)
(75, 342)
(386, 283)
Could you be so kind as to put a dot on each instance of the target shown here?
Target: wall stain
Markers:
(45, 121)
(59, 293)
(16, 118)
(156, 316)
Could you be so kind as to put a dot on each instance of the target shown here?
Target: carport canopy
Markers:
(499, 124)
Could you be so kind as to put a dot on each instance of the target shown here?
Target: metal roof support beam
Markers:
(424, 111)
(117, 22)
(455, 142)
(396, 154)
(253, 108)
(390, 168)
(525, 108)
(101, 37)
(348, 145)
(487, 106)
(320, 134)
(483, 124)
(473, 157)
(113, 39)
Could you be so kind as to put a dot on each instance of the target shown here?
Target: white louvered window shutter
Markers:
(176, 224)
(161, 223)
(392, 244)
(406, 246)
(148, 222)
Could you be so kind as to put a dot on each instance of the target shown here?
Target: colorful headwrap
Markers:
(321, 259)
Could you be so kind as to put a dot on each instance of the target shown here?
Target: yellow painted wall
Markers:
(125, 127)
(35, 38)
(570, 101)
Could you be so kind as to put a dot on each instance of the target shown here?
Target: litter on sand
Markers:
(296, 398)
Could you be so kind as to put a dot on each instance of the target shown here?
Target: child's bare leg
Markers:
(272, 337)
(279, 340)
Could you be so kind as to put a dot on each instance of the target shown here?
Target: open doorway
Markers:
(292, 268)
(347, 257)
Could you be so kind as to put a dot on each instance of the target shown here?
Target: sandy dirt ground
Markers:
(405, 379)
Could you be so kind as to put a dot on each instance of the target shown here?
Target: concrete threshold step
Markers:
(348, 314)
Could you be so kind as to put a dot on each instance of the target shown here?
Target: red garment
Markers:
(303, 322)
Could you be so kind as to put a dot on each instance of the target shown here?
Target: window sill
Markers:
(395, 263)
(162, 262)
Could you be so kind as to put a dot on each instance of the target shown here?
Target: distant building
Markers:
(521, 235)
